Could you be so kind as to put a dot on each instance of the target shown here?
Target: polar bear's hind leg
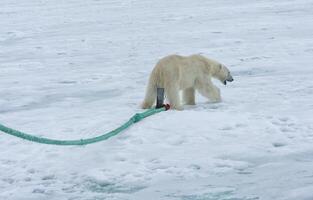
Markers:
(189, 96)
(172, 94)
(149, 100)
(150, 97)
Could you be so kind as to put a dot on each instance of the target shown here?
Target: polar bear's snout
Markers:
(229, 78)
(224, 75)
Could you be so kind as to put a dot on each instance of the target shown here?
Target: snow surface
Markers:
(77, 69)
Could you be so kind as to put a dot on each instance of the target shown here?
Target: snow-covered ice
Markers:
(77, 69)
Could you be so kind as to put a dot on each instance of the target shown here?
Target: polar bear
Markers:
(186, 73)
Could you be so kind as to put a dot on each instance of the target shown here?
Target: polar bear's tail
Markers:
(151, 91)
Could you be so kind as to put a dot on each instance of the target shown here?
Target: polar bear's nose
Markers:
(230, 79)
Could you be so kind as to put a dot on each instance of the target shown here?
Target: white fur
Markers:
(186, 73)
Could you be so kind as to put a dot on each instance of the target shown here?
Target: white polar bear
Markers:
(186, 73)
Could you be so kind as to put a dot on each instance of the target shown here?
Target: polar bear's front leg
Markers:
(215, 94)
(172, 94)
(189, 96)
(210, 91)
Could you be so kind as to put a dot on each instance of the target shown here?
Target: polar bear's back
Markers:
(183, 70)
(183, 62)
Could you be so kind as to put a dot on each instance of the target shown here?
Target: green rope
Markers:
(134, 119)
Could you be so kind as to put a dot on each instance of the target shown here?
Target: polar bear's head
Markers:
(223, 74)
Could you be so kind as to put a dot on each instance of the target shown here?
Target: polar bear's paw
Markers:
(146, 105)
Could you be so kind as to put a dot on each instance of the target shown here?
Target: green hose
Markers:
(134, 119)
